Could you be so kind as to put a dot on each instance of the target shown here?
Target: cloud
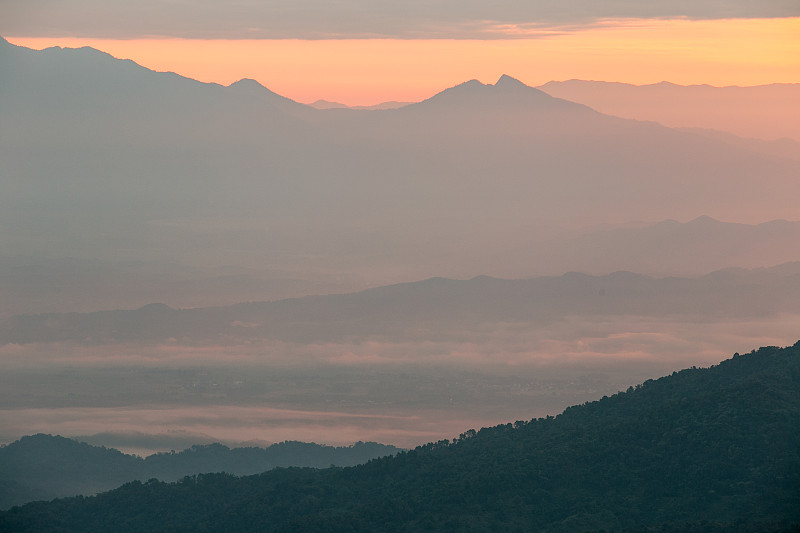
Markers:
(324, 19)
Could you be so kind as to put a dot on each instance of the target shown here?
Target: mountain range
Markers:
(432, 309)
(209, 189)
(767, 112)
(712, 449)
(34, 283)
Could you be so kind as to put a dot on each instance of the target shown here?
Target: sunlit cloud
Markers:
(316, 19)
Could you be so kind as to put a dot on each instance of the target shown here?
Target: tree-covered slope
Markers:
(714, 449)
(43, 467)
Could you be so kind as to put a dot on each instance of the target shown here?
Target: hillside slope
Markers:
(43, 467)
(719, 447)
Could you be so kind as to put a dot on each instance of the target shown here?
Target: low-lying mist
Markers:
(403, 392)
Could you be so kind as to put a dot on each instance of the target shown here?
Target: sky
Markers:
(361, 52)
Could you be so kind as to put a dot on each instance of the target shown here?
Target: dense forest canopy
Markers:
(43, 467)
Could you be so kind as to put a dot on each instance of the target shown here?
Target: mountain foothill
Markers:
(44, 467)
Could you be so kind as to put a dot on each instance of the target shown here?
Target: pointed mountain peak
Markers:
(507, 82)
(507, 93)
(662, 84)
(247, 84)
(469, 85)
(253, 87)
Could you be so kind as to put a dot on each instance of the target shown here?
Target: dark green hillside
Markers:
(714, 449)
(43, 467)
(40, 467)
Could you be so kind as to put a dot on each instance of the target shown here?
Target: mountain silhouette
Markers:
(433, 307)
(43, 467)
(158, 177)
(765, 111)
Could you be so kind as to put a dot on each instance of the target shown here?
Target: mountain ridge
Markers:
(505, 93)
(410, 309)
(43, 467)
(762, 111)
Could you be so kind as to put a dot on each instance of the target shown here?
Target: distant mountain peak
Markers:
(253, 88)
(471, 84)
(247, 84)
(704, 220)
(668, 222)
(507, 82)
(325, 104)
(506, 92)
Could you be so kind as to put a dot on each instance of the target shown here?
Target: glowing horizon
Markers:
(369, 71)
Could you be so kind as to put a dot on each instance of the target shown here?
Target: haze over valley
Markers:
(390, 266)
(192, 261)
(126, 187)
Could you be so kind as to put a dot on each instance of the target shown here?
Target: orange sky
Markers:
(365, 71)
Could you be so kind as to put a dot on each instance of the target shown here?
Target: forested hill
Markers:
(714, 449)
(43, 467)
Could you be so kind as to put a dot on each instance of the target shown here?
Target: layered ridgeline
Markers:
(123, 185)
(436, 308)
(43, 467)
(714, 449)
(763, 111)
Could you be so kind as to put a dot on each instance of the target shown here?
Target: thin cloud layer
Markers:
(316, 19)
(404, 393)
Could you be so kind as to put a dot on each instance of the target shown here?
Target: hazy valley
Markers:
(187, 263)
(212, 195)
(148, 187)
